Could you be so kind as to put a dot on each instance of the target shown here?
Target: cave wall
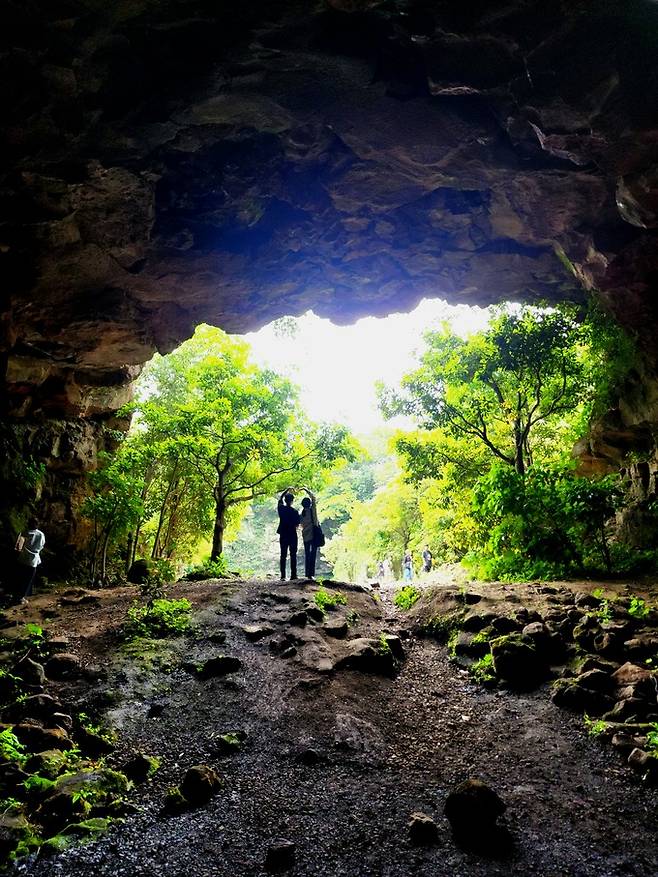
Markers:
(169, 162)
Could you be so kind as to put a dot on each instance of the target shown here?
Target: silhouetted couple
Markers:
(289, 521)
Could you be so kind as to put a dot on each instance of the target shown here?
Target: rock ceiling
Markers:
(169, 162)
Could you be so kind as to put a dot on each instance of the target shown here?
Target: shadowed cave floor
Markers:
(386, 748)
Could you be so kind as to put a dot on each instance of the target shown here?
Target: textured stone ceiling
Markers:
(177, 161)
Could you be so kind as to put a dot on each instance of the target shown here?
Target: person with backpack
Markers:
(29, 546)
(287, 530)
(310, 529)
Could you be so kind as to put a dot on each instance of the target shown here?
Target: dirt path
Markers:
(382, 748)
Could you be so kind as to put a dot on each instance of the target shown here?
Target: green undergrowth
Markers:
(164, 618)
(406, 597)
(483, 670)
(442, 627)
(594, 727)
(325, 600)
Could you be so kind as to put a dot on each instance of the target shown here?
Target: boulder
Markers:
(63, 666)
(645, 764)
(472, 809)
(13, 829)
(254, 632)
(632, 709)
(477, 620)
(469, 645)
(630, 673)
(503, 624)
(298, 619)
(596, 680)
(367, 656)
(470, 598)
(280, 856)
(644, 645)
(199, 784)
(39, 739)
(62, 720)
(220, 665)
(314, 613)
(139, 767)
(31, 672)
(423, 830)
(569, 695)
(39, 706)
(627, 742)
(58, 644)
(395, 645)
(139, 572)
(338, 628)
(48, 763)
(586, 601)
(517, 662)
(585, 632)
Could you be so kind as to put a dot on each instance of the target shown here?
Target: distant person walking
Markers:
(287, 530)
(29, 546)
(427, 559)
(309, 523)
(407, 567)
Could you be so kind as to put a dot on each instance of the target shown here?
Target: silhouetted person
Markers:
(309, 523)
(427, 559)
(29, 546)
(287, 530)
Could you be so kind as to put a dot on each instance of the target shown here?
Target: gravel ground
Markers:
(384, 749)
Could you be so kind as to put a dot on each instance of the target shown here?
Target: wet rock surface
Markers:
(335, 762)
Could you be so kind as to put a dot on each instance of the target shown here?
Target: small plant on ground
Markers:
(163, 618)
(652, 740)
(383, 648)
(483, 669)
(209, 569)
(352, 617)
(594, 727)
(11, 749)
(406, 597)
(604, 612)
(638, 608)
(324, 600)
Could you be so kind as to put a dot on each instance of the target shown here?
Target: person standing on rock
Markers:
(29, 547)
(309, 523)
(287, 530)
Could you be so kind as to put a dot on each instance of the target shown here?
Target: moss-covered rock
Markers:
(516, 661)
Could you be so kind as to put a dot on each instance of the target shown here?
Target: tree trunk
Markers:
(130, 549)
(218, 531)
(519, 455)
(155, 553)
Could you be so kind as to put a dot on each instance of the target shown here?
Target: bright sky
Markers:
(337, 366)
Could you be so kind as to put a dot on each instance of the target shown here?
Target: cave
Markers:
(183, 161)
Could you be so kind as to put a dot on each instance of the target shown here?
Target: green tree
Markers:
(499, 387)
(114, 507)
(233, 424)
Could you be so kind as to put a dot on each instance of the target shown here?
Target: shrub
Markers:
(638, 608)
(483, 669)
(161, 619)
(209, 569)
(324, 600)
(594, 727)
(406, 597)
(11, 749)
